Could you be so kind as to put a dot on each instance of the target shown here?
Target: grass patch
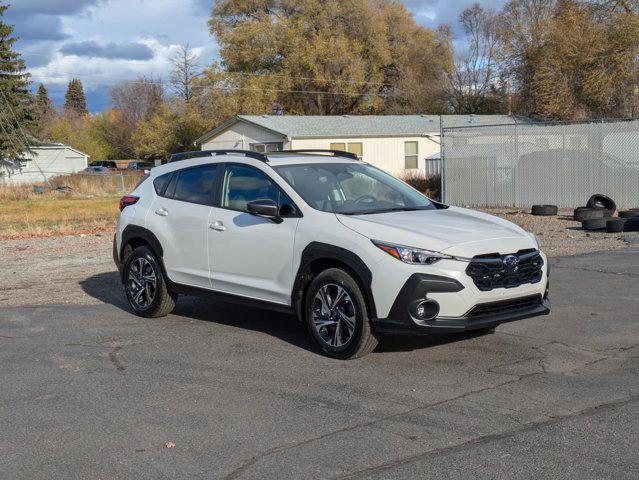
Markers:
(55, 214)
(78, 184)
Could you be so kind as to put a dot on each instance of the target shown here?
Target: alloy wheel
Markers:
(334, 315)
(142, 283)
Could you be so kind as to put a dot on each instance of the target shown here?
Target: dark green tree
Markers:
(44, 105)
(16, 107)
(74, 99)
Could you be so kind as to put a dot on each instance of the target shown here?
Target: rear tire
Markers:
(337, 317)
(145, 285)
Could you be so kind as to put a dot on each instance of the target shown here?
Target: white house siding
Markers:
(241, 136)
(51, 160)
(386, 153)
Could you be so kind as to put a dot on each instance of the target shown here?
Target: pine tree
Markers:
(44, 105)
(74, 99)
(16, 108)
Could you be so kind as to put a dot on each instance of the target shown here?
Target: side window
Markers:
(410, 155)
(194, 185)
(160, 182)
(246, 184)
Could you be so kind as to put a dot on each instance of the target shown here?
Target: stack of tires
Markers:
(598, 215)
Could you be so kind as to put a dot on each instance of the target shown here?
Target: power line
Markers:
(67, 75)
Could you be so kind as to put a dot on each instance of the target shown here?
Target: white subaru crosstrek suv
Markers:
(351, 250)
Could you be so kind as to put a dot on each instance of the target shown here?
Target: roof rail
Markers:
(334, 153)
(212, 153)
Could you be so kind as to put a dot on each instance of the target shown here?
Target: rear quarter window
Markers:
(160, 182)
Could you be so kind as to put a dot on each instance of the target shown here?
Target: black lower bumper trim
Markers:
(459, 324)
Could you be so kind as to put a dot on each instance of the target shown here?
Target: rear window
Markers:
(195, 185)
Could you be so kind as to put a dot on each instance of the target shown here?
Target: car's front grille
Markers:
(504, 306)
(505, 271)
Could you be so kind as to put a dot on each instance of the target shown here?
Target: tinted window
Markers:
(160, 182)
(195, 185)
(351, 188)
(245, 184)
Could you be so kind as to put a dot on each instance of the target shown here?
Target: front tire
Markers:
(336, 315)
(145, 286)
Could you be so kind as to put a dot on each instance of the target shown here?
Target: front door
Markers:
(251, 256)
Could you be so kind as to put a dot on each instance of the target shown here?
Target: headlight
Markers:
(414, 256)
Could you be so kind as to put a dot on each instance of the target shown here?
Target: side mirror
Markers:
(264, 208)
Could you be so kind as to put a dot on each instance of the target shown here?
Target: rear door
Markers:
(251, 256)
(179, 218)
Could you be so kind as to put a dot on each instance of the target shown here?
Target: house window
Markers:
(355, 148)
(267, 147)
(410, 155)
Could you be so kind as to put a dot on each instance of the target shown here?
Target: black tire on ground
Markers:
(633, 212)
(362, 340)
(594, 224)
(544, 210)
(615, 225)
(582, 214)
(602, 202)
(576, 211)
(140, 269)
(631, 225)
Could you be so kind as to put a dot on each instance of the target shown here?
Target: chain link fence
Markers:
(525, 164)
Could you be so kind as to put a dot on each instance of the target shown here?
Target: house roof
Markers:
(341, 126)
(58, 146)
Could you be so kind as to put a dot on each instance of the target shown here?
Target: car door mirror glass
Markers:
(264, 208)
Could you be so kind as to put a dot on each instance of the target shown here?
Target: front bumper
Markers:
(482, 315)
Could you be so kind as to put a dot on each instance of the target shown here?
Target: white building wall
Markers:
(52, 162)
(240, 136)
(386, 153)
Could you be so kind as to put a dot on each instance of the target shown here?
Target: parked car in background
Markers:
(96, 170)
(350, 249)
(104, 163)
(138, 166)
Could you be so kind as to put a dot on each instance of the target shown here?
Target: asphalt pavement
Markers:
(221, 391)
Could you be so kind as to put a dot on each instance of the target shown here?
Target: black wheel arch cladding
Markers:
(333, 256)
(134, 234)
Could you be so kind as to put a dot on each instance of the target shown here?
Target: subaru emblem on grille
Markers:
(510, 260)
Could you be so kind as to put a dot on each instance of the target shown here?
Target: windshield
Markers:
(351, 188)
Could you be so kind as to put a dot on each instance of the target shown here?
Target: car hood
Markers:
(454, 230)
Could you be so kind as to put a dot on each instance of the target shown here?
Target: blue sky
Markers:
(104, 42)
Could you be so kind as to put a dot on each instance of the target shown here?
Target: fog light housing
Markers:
(425, 309)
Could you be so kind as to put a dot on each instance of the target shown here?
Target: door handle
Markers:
(217, 225)
(162, 212)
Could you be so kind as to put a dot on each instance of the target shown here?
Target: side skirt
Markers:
(230, 298)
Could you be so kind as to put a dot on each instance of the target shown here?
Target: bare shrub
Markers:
(429, 186)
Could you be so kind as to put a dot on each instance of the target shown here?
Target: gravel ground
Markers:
(54, 270)
(561, 235)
